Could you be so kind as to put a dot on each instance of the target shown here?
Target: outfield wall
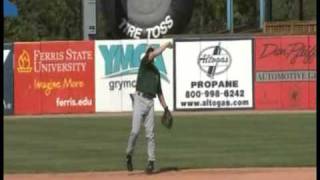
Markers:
(264, 72)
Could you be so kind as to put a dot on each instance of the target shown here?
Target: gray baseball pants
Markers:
(143, 112)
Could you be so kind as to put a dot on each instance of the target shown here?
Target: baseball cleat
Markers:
(129, 163)
(150, 167)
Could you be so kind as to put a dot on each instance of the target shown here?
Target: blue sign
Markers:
(9, 8)
(125, 59)
(8, 79)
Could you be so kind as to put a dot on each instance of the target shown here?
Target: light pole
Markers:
(89, 19)
(262, 13)
(230, 16)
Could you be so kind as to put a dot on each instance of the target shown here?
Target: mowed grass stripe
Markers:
(98, 143)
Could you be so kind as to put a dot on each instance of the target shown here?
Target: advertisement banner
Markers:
(54, 77)
(7, 79)
(116, 67)
(285, 72)
(285, 53)
(213, 74)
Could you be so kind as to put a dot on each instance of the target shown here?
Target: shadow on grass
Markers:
(161, 170)
(166, 169)
(169, 169)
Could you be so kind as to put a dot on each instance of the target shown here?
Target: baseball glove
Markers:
(166, 118)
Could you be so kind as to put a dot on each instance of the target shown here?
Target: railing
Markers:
(290, 27)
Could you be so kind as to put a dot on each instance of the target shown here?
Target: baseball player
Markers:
(148, 86)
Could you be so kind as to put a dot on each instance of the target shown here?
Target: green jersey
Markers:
(148, 80)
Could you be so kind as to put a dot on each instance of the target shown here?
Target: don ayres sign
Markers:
(116, 68)
(213, 74)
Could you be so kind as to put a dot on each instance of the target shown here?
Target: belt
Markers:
(146, 95)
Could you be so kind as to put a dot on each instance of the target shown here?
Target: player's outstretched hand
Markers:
(170, 45)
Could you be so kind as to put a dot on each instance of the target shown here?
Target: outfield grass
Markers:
(99, 143)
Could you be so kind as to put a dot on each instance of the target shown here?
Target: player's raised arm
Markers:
(159, 50)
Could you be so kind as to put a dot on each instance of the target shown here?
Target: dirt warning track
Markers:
(198, 174)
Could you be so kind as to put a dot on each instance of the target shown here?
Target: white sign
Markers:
(213, 74)
(116, 67)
